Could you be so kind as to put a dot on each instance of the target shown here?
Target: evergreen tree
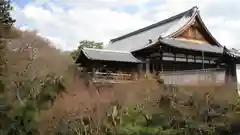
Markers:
(6, 21)
(5, 16)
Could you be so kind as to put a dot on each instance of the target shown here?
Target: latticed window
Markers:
(180, 56)
(190, 58)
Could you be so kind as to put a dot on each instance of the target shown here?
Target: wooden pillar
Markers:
(140, 69)
(161, 57)
(174, 63)
(203, 60)
(234, 72)
(229, 73)
(93, 71)
(147, 65)
(153, 65)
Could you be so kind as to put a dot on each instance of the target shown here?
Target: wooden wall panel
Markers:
(193, 34)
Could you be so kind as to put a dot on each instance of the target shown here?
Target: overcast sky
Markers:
(65, 22)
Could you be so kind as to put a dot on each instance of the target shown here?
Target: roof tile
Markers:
(139, 39)
(109, 55)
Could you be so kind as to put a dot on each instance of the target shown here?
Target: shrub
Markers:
(147, 107)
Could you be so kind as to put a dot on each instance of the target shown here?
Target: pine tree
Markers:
(5, 16)
(6, 21)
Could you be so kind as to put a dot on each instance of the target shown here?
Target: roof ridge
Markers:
(155, 24)
(106, 50)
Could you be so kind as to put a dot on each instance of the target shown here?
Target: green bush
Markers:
(21, 117)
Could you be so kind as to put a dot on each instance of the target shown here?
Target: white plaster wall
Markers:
(195, 77)
(238, 77)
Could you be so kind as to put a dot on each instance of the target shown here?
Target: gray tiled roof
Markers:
(109, 55)
(234, 53)
(139, 39)
(192, 46)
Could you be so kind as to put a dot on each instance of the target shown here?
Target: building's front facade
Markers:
(179, 43)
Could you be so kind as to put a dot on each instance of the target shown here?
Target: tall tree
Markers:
(5, 9)
(6, 20)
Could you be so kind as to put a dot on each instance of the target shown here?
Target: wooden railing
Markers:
(184, 77)
(111, 77)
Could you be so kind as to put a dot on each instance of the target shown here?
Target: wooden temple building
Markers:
(181, 48)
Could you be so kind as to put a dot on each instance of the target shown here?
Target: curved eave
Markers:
(81, 55)
(189, 23)
(147, 47)
(86, 55)
(194, 47)
(184, 27)
(209, 33)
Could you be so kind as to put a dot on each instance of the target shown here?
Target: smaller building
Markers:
(109, 65)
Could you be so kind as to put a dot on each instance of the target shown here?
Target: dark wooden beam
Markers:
(203, 60)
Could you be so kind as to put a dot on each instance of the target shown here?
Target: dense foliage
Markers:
(90, 44)
(5, 9)
(21, 117)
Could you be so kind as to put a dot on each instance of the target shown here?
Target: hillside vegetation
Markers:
(144, 108)
(33, 75)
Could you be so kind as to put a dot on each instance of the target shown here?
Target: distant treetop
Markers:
(86, 44)
(90, 44)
